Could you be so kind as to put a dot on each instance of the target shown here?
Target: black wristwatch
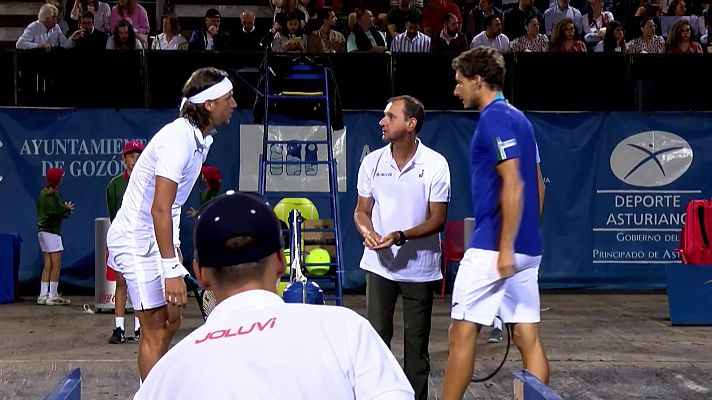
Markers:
(401, 239)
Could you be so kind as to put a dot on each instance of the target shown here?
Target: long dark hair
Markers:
(130, 42)
(199, 80)
(609, 40)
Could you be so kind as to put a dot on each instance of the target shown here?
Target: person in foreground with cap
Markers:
(114, 194)
(51, 209)
(210, 37)
(255, 346)
(141, 239)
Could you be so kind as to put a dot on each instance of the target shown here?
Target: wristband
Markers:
(171, 268)
(401, 239)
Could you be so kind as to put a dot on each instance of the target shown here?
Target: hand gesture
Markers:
(505, 263)
(213, 30)
(387, 241)
(70, 205)
(77, 35)
(371, 240)
(46, 46)
(176, 293)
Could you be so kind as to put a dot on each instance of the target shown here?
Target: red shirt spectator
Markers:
(433, 15)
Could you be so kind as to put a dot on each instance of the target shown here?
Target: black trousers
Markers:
(381, 297)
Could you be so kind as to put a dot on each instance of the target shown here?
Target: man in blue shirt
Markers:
(499, 272)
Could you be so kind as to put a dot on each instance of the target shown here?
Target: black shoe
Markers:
(117, 336)
(137, 334)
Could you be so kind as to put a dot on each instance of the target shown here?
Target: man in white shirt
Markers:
(45, 33)
(255, 346)
(141, 238)
(412, 40)
(403, 194)
(560, 10)
(492, 36)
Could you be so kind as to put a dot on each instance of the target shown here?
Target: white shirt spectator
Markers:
(599, 48)
(255, 346)
(555, 14)
(177, 42)
(111, 46)
(403, 44)
(36, 34)
(589, 31)
(499, 43)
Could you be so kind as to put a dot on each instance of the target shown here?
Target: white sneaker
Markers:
(42, 300)
(57, 301)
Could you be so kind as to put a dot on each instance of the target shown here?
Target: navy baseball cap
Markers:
(233, 215)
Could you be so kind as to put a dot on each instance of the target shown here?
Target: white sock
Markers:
(53, 289)
(137, 324)
(44, 289)
(498, 323)
(120, 322)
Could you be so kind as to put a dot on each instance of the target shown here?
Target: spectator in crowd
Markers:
(533, 41)
(449, 41)
(649, 42)
(678, 40)
(134, 14)
(476, 17)
(613, 41)
(676, 9)
(247, 38)
(433, 15)
(418, 4)
(45, 33)
(398, 16)
(514, 19)
(365, 37)
(412, 40)
(595, 22)
(326, 39)
(559, 11)
(210, 37)
(290, 7)
(124, 38)
(291, 40)
(492, 36)
(93, 38)
(100, 10)
(170, 39)
(564, 38)
(61, 8)
(51, 210)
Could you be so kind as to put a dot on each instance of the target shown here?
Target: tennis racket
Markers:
(491, 355)
(205, 298)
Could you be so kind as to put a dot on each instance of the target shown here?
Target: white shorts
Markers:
(139, 261)
(50, 242)
(480, 294)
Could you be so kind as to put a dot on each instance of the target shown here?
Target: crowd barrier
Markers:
(535, 81)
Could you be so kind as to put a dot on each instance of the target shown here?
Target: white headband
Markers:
(213, 92)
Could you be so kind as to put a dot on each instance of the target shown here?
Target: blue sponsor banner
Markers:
(617, 184)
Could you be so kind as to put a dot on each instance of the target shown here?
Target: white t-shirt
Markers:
(400, 202)
(255, 346)
(176, 152)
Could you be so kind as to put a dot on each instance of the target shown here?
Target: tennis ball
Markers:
(318, 256)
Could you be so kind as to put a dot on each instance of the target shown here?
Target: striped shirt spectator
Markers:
(405, 43)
